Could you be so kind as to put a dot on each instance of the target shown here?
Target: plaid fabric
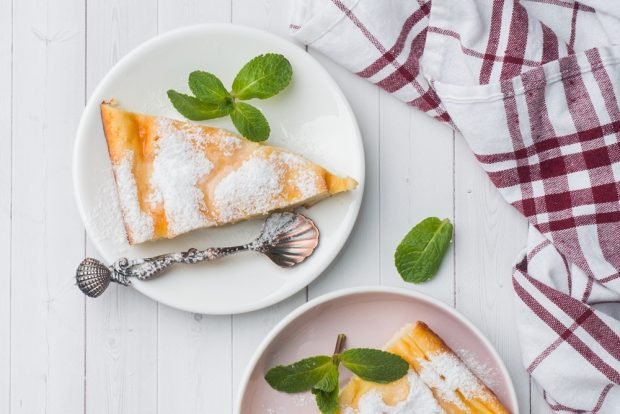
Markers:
(532, 85)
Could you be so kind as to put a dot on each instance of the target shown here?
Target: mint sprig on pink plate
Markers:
(319, 374)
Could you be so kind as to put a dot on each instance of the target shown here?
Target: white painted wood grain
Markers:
(121, 353)
(489, 235)
(416, 176)
(6, 41)
(121, 326)
(269, 15)
(47, 312)
(195, 351)
(174, 13)
(250, 329)
(194, 364)
(358, 263)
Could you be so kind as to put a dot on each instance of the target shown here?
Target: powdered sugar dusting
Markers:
(140, 223)
(484, 372)
(106, 217)
(306, 183)
(420, 400)
(252, 189)
(447, 374)
(305, 179)
(255, 187)
(178, 167)
(226, 142)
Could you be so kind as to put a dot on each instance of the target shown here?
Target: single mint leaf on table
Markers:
(326, 401)
(195, 109)
(300, 376)
(250, 122)
(329, 381)
(262, 77)
(374, 365)
(419, 255)
(208, 88)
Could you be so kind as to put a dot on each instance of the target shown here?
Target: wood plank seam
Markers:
(12, 69)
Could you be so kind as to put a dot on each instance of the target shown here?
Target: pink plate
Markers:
(369, 317)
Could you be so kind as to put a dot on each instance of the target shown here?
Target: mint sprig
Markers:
(319, 374)
(420, 253)
(261, 78)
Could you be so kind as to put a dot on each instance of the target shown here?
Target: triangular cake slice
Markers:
(438, 381)
(173, 176)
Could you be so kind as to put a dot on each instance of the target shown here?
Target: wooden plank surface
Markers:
(124, 353)
(121, 326)
(47, 240)
(489, 235)
(6, 74)
(358, 264)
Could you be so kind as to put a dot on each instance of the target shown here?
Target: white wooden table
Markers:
(124, 353)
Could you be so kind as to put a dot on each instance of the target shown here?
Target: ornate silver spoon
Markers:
(286, 238)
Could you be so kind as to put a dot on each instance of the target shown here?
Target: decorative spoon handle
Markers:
(144, 269)
(286, 238)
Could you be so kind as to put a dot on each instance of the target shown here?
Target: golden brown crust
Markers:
(417, 343)
(139, 135)
(122, 133)
(337, 184)
(420, 343)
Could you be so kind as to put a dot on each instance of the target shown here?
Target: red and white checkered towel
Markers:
(533, 86)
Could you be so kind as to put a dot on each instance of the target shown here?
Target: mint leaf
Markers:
(300, 376)
(374, 365)
(250, 122)
(195, 109)
(326, 391)
(326, 401)
(208, 88)
(262, 77)
(419, 255)
(329, 381)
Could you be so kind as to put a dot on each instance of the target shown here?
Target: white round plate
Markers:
(369, 316)
(311, 117)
